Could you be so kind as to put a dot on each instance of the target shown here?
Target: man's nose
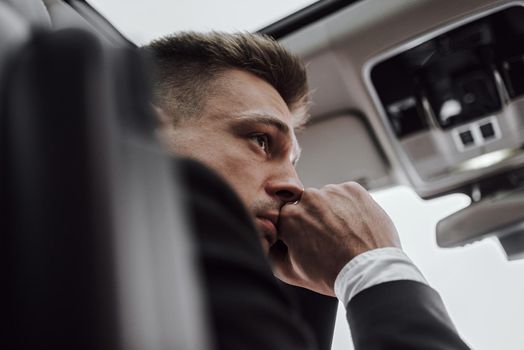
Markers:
(287, 188)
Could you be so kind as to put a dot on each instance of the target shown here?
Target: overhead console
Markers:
(452, 101)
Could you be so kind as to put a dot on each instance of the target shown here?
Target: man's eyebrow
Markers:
(266, 119)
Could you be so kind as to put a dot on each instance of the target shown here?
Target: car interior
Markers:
(434, 102)
(425, 94)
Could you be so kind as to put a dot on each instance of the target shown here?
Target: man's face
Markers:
(245, 133)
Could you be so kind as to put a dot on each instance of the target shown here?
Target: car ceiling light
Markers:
(449, 109)
(488, 159)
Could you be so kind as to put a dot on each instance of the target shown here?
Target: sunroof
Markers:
(144, 20)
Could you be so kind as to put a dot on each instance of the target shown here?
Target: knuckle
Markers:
(331, 188)
(309, 193)
(311, 190)
(355, 187)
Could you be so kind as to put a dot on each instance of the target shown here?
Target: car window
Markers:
(141, 21)
(481, 289)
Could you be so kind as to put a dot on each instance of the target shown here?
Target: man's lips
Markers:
(268, 227)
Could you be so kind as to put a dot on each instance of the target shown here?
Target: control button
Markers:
(467, 138)
(487, 131)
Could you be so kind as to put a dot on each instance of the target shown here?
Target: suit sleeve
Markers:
(401, 315)
(247, 307)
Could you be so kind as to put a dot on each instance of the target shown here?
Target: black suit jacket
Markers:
(402, 315)
(250, 309)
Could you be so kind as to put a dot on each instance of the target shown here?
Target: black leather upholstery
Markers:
(94, 255)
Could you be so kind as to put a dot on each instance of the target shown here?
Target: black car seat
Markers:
(95, 252)
(32, 11)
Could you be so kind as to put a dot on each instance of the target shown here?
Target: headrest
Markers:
(80, 15)
(14, 32)
(32, 10)
(63, 16)
(13, 28)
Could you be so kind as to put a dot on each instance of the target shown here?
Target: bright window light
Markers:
(143, 20)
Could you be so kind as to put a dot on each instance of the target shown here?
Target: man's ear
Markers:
(166, 132)
(164, 127)
(161, 115)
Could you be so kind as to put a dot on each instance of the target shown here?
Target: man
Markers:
(233, 102)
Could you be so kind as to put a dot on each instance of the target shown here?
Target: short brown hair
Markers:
(186, 65)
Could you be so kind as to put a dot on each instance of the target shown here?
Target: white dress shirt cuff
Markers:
(374, 267)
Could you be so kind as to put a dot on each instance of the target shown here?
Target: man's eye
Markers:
(262, 141)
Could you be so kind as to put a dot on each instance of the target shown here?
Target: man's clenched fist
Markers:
(324, 231)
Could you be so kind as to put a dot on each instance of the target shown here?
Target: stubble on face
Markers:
(219, 138)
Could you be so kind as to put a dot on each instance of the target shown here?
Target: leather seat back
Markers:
(95, 248)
